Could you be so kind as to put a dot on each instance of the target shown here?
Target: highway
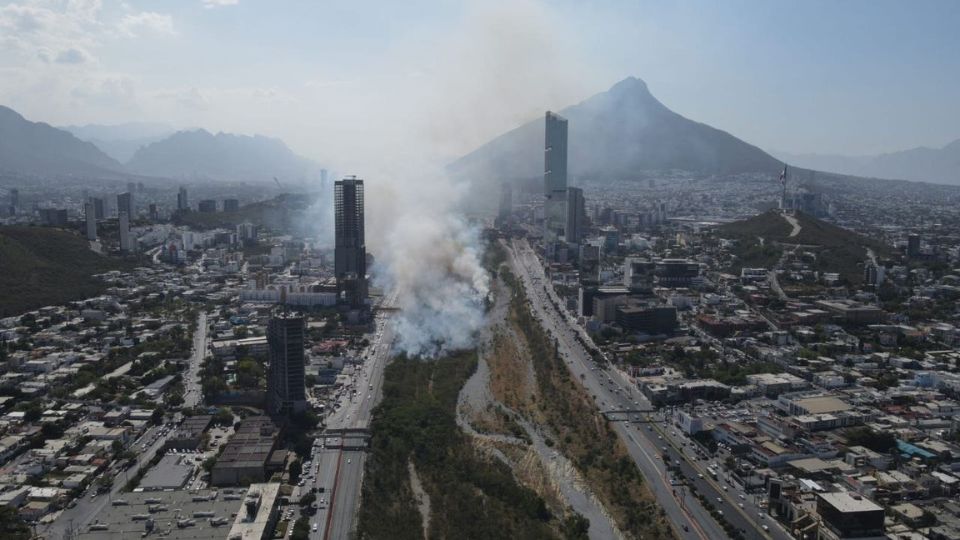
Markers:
(339, 471)
(192, 391)
(610, 392)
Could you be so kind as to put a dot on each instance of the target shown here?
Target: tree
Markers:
(308, 499)
(296, 469)
(301, 530)
(157, 416)
(11, 526)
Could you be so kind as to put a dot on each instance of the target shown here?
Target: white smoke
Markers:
(427, 252)
(506, 63)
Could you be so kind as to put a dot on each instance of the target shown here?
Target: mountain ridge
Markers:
(618, 133)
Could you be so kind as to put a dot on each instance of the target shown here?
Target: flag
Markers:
(783, 176)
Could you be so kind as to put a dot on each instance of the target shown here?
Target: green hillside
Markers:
(41, 266)
(837, 249)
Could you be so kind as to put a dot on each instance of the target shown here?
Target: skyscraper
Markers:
(14, 201)
(555, 177)
(125, 204)
(182, 203)
(506, 203)
(90, 214)
(350, 253)
(286, 392)
(99, 208)
(126, 241)
(576, 215)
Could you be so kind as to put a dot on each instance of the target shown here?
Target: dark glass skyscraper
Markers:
(286, 392)
(350, 252)
(555, 176)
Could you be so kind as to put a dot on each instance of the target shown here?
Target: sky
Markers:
(348, 81)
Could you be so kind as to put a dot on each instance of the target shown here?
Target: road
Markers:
(612, 392)
(340, 471)
(192, 391)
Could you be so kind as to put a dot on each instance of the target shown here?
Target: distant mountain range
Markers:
(154, 150)
(618, 134)
(939, 165)
(202, 154)
(121, 141)
(36, 148)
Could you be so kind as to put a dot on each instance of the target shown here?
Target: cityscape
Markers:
(598, 320)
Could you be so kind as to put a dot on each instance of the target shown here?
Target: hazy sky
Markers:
(339, 80)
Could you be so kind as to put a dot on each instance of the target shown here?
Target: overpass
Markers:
(347, 438)
(615, 415)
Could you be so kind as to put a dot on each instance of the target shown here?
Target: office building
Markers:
(53, 217)
(576, 216)
(250, 455)
(849, 515)
(286, 392)
(231, 205)
(183, 204)
(913, 245)
(506, 203)
(677, 272)
(350, 253)
(649, 319)
(125, 204)
(154, 214)
(207, 206)
(99, 209)
(126, 240)
(90, 215)
(555, 177)
(14, 201)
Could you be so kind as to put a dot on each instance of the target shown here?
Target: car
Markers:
(315, 527)
(699, 475)
(349, 461)
(765, 528)
(724, 488)
(741, 505)
(719, 500)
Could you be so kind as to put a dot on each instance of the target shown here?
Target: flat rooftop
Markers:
(171, 472)
(169, 506)
(824, 404)
(844, 501)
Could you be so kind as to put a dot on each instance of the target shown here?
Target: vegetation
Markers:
(48, 266)
(878, 441)
(837, 249)
(471, 496)
(11, 526)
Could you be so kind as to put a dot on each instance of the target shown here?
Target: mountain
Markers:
(37, 148)
(121, 141)
(223, 156)
(618, 134)
(940, 165)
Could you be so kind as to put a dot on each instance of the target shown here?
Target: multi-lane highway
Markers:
(336, 465)
(645, 445)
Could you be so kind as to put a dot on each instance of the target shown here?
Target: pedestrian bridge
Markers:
(347, 438)
(629, 415)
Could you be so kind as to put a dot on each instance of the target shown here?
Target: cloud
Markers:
(213, 4)
(72, 56)
(146, 23)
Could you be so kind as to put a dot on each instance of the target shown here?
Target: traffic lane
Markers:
(347, 498)
(697, 526)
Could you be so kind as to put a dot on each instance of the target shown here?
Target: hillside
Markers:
(837, 249)
(37, 148)
(617, 134)
(47, 266)
(940, 165)
(221, 156)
